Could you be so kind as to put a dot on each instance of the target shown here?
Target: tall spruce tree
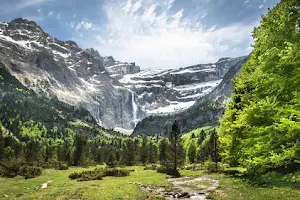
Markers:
(162, 151)
(192, 152)
(213, 147)
(176, 149)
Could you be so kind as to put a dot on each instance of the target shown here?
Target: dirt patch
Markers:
(45, 185)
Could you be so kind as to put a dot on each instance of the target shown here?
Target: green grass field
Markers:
(239, 189)
(61, 187)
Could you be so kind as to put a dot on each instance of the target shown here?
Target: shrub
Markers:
(169, 171)
(63, 167)
(161, 169)
(17, 167)
(150, 167)
(116, 172)
(172, 172)
(14, 168)
(74, 175)
(52, 165)
(98, 173)
(10, 169)
(211, 166)
(30, 171)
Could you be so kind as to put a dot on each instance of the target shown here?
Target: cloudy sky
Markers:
(152, 33)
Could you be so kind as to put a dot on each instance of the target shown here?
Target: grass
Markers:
(238, 189)
(62, 187)
(285, 187)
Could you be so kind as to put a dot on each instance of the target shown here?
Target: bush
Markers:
(116, 172)
(172, 172)
(30, 171)
(52, 165)
(14, 168)
(161, 169)
(169, 171)
(98, 173)
(211, 166)
(10, 169)
(63, 167)
(151, 167)
(75, 175)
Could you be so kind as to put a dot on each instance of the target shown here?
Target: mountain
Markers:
(163, 92)
(118, 95)
(59, 69)
(206, 111)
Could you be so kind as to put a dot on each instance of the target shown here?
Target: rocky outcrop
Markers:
(205, 112)
(163, 92)
(118, 69)
(55, 68)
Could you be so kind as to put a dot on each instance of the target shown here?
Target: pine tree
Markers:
(80, 144)
(144, 152)
(201, 137)
(162, 149)
(213, 146)
(176, 149)
(111, 162)
(192, 152)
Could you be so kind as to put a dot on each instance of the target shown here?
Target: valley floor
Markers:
(57, 185)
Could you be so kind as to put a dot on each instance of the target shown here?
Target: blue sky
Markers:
(152, 33)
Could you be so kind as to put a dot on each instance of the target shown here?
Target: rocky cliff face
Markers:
(117, 94)
(169, 91)
(118, 69)
(205, 112)
(54, 68)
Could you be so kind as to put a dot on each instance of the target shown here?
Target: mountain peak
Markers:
(224, 59)
(23, 21)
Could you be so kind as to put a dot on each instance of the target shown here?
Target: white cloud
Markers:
(165, 39)
(71, 24)
(261, 6)
(204, 15)
(59, 16)
(74, 16)
(36, 18)
(50, 13)
(83, 24)
(40, 13)
(247, 1)
(7, 7)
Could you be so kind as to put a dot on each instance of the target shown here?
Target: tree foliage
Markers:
(261, 126)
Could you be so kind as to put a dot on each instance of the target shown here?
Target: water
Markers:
(185, 188)
(134, 109)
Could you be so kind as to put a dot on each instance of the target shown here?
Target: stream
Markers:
(196, 188)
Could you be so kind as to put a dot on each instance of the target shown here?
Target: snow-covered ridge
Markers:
(117, 94)
(118, 69)
(173, 90)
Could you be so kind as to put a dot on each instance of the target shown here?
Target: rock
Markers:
(60, 69)
(118, 95)
(205, 112)
(183, 195)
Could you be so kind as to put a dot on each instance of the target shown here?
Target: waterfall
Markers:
(134, 109)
